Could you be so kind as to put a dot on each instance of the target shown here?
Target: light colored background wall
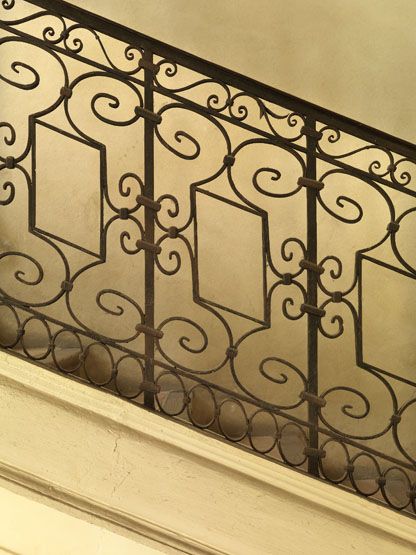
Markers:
(29, 527)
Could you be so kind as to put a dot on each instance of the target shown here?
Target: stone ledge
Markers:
(173, 484)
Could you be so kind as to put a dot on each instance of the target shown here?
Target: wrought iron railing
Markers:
(208, 247)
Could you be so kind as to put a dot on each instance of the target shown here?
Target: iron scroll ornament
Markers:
(141, 87)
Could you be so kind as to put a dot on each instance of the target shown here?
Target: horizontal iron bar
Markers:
(314, 310)
(150, 387)
(314, 399)
(310, 132)
(317, 453)
(145, 64)
(147, 114)
(233, 78)
(308, 265)
(310, 183)
(152, 247)
(149, 331)
(149, 203)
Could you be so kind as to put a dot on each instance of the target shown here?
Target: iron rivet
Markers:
(395, 419)
(287, 279)
(231, 352)
(310, 132)
(123, 213)
(67, 285)
(173, 232)
(337, 296)
(10, 162)
(393, 227)
(66, 92)
(229, 160)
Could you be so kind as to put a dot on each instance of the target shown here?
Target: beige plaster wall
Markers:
(30, 527)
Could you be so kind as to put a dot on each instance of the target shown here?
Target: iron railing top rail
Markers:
(235, 79)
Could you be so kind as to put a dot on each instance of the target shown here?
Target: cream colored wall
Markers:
(30, 527)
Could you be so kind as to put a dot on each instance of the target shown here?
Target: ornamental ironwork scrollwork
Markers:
(208, 247)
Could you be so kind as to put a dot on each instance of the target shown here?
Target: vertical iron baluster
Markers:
(312, 291)
(149, 396)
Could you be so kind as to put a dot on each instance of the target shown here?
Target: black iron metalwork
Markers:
(148, 302)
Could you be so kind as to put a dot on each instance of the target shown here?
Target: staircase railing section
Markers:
(208, 247)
